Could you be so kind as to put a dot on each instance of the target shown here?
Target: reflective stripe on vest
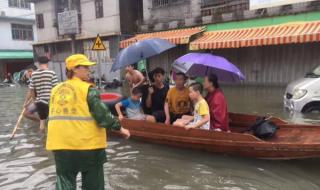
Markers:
(70, 118)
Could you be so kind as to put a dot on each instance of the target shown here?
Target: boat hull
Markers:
(237, 144)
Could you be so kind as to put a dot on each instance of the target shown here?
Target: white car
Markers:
(303, 95)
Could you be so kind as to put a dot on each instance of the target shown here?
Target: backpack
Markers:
(263, 128)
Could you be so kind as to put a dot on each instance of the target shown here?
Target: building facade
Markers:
(273, 63)
(171, 14)
(111, 19)
(18, 32)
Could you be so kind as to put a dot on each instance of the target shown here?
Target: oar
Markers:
(19, 121)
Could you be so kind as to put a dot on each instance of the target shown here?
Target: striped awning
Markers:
(270, 35)
(181, 36)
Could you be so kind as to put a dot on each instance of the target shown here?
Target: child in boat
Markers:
(132, 107)
(201, 116)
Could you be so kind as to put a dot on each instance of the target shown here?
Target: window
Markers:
(163, 3)
(206, 12)
(159, 3)
(99, 8)
(22, 32)
(24, 4)
(13, 3)
(223, 6)
(39, 21)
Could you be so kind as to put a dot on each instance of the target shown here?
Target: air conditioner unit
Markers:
(3, 13)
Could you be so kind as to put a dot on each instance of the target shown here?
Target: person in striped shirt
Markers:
(42, 81)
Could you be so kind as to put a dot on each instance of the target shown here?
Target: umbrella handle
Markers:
(147, 75)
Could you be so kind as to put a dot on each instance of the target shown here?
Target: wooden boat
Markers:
(292, 141)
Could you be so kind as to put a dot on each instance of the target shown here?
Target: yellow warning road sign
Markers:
(98, 44)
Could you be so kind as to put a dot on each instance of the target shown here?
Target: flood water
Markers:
(25, 164)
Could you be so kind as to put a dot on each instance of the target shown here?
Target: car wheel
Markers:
(314, 107)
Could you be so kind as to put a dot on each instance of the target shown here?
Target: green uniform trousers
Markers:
(90, 163)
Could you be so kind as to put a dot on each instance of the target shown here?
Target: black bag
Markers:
(264, 129)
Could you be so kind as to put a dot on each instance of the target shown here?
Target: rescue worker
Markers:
(77, 128)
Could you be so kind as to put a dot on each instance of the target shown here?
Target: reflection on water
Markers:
(24, 163)
(264, 101)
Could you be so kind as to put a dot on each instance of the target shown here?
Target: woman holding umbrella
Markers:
(218, 109)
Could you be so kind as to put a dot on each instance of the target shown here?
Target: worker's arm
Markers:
(100, 112)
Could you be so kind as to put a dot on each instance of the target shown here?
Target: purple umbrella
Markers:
(202, 64)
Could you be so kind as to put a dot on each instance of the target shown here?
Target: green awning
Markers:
(16, 55)
(268, 21)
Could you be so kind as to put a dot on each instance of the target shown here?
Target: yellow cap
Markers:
(76, 60)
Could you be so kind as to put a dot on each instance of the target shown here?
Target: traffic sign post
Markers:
(99, 46)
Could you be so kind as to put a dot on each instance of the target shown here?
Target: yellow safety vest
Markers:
(71, 126)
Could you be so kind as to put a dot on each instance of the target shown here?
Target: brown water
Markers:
(25, 164)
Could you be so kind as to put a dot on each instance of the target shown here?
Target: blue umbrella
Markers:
(139, 51)
(202, 64)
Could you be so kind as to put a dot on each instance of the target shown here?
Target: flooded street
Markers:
(25, 164)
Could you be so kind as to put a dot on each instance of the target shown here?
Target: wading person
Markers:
(42, 81)
(8, 79)
(30, 108)
(31, 112)
(77, 128)
(26, 78)
(219, 118)
(177, 102)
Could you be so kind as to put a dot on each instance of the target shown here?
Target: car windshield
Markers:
(315, 73)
